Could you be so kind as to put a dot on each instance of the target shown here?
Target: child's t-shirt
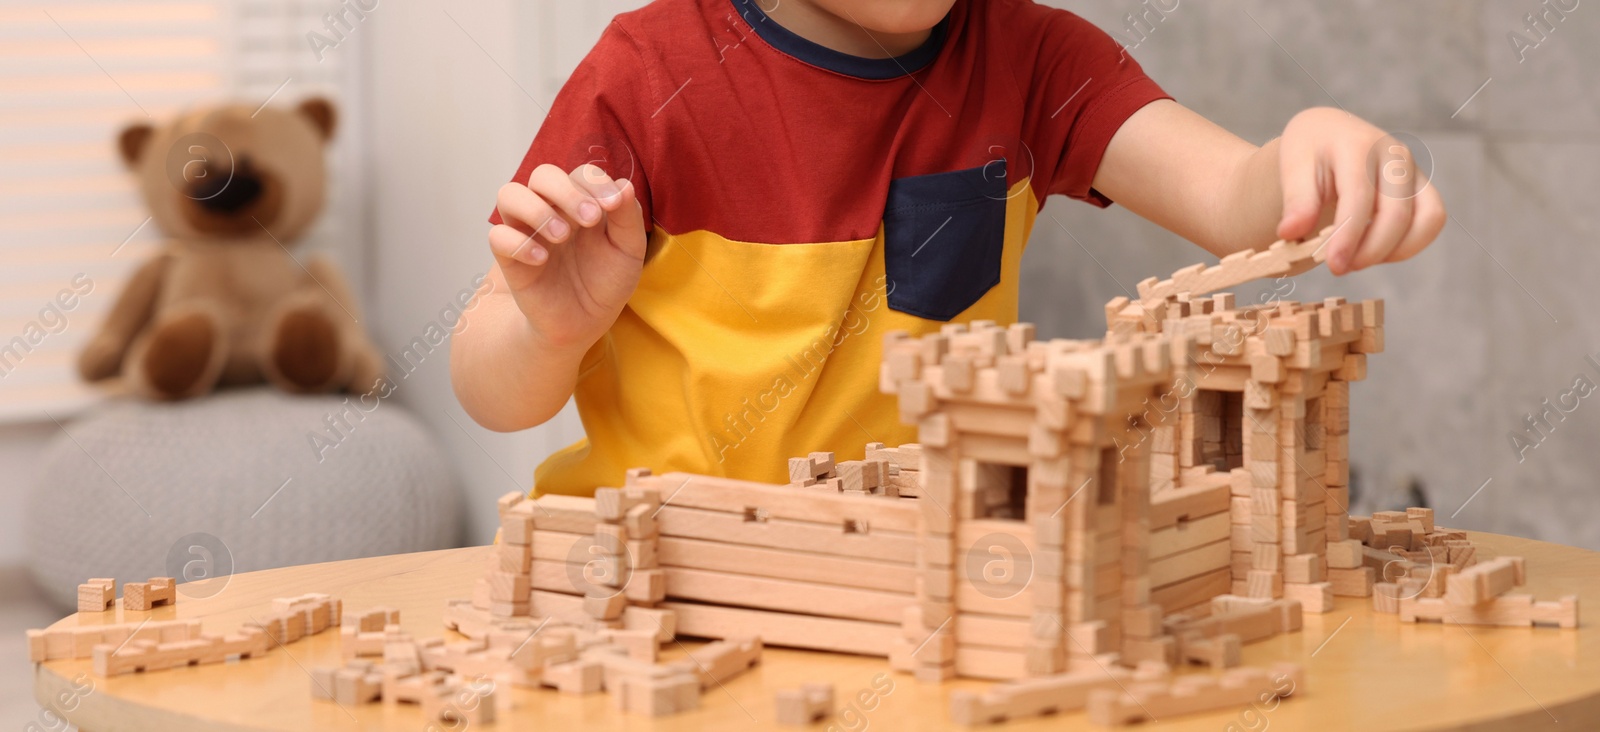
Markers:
(804, 203)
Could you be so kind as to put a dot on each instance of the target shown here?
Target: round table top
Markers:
(1363, 670)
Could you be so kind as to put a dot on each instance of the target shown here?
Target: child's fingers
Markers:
(625, 225)
(1427, 220)
(1352, 179)
(560, 190)
(521, 208)
(1389, 224)
(1302, 193)
(594, 181)
(510, 243)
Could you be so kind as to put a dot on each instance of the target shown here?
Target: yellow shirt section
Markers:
(732, 357)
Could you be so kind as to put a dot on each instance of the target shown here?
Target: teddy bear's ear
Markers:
(320, 112)
(132, 141)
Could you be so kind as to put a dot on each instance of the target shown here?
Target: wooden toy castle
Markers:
(1082, 515)
(1066, 499)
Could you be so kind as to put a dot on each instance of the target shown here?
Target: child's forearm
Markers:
(505, 374)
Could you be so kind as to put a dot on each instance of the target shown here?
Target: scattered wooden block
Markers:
(146, 595)
(722, 660)
(806, 704)
(1315, 597)
(1045, 695)
(1345, 554)
(1505, 610)
(1355, 582)
(1146, 701)
(54, 645)
(1218, 652)
(1386, 597)
(1484, 581)
(97, 595)
(147, 655)
(654, 696)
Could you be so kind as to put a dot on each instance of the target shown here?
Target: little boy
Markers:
(732, 201)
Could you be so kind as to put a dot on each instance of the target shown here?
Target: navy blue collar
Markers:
(785, 41)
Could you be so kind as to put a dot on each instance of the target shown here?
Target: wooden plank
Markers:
(983, 662)
(1188, 535)
(785, 595)
(1183, 565)
(1193, 502)
(781, 564)
(969, 532)
(1192, 591)
(783, 502)
(990, 420)
(993, 630)
(969, 599)
(785, 629)
(695, 523)
(556, 512)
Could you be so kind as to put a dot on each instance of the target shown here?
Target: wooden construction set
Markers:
(1077, 521)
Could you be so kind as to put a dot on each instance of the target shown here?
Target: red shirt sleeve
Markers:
(600, 116)
(1084, 86)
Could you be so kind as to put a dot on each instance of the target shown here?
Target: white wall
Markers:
(450, 116)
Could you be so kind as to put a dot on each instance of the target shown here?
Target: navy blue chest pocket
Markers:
(942, 238)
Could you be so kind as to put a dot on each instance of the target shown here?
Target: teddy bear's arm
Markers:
(102, 357)
(366, 362)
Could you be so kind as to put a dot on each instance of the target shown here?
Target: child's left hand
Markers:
(1385, 209)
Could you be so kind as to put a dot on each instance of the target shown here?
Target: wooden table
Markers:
(1364, 671)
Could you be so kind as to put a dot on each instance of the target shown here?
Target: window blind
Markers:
(72, 226)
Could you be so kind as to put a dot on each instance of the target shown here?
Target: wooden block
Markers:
(1043, 696)
(610, 539)
(556, 512)
(97, 595)
(508, 500)
(1218, 652)
(806, 704)
(1484, 581)
(1386, 598)
(1354, 368)
(1235, 688)
(370, 621)
(508, 587)
(1303, 569)
(1345, 554)
(582, 676)
(1264, 584)
(1356, 582)
(605, 606)
(800, 472)
(1315, 597)
(1506, 610)
(1188, 504)
(640, 521)
(641, 645)
(516, 527)
(717, 662)
(788, 629)
(1562, 613)
(352, 686)
(513, 558)
(1279, 341)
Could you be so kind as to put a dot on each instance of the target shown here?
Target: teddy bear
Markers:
(233, 189)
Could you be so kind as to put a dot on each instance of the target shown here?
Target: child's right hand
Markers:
(571, 248)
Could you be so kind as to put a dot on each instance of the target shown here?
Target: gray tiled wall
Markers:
(1500, 314)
